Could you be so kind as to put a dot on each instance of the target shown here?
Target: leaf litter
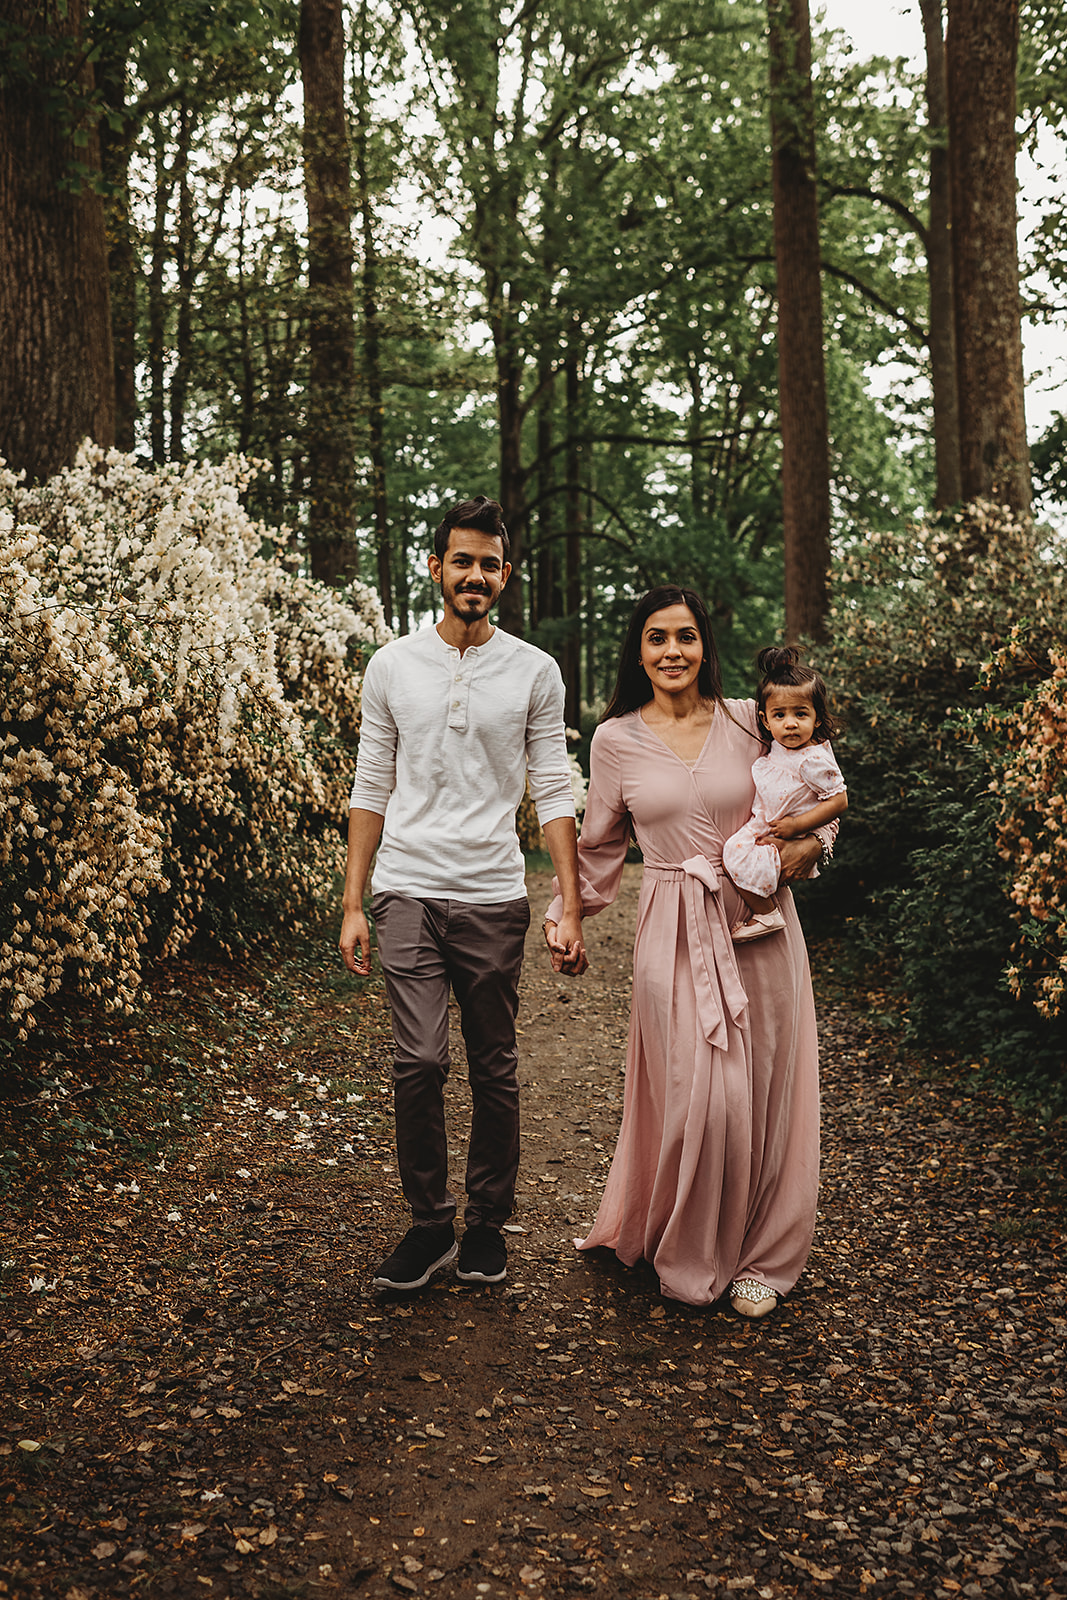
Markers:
(205, 1397)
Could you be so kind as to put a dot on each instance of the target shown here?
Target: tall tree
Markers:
(801, 366)
(982, 51)
(56, 380)
(371, 322)
(942, 300)
(331, 402)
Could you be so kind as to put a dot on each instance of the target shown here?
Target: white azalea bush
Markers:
(178, 715)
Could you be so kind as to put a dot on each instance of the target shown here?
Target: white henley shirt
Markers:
(445, 745)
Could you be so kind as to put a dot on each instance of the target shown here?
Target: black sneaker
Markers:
(483, 1256)
(417, 1257)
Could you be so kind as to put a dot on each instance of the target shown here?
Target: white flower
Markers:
(37, 1285)
(174, 1216)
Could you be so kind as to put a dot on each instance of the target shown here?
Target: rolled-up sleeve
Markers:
(547, 766)
(376, 762)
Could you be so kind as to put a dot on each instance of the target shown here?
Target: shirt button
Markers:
(455, 705)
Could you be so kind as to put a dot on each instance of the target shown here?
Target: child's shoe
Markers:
(759, 925)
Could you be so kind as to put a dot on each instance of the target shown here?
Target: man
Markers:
(454, 718)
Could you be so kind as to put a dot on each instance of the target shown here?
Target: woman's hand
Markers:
(566, 948)
(797, 856)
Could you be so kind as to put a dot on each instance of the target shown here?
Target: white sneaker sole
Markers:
(482, 1277)
(418, 1283)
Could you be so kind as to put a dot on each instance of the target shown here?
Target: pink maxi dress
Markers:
(716, 1170)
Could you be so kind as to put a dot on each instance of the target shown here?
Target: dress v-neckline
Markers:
(689, 767)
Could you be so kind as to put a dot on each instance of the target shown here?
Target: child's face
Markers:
(789, 716)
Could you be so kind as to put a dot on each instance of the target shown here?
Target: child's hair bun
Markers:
(776, 657)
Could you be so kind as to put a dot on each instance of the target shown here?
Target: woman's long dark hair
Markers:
(632, 685)
(780, 667)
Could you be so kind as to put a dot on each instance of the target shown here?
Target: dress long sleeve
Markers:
(606, 832)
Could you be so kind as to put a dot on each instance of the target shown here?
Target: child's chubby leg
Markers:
(755, 902)
(765, 917)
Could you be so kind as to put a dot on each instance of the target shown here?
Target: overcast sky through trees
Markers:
(896, 30)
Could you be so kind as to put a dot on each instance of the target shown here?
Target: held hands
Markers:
(564, 940)
(355, 935)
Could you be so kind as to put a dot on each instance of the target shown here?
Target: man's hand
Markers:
(797, 856)
(564, 940)
(355, 935)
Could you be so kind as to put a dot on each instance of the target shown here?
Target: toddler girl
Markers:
(799, 786)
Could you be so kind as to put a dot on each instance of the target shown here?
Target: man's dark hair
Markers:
(487, 516)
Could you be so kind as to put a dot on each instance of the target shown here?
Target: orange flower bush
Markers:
(951, 860)
(915, 614)
(178, 713)
(1032, 825)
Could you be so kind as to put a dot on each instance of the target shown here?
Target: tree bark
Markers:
(122, 264)
(512, 481)
(942, 341)
(982, 51)
(157, 307)
(801, 370)
(56, 377)
(331, 411)
(542, 575)
(185, 274)
(372, 344)
(571, 663)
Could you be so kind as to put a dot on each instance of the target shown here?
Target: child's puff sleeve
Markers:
(821, 772)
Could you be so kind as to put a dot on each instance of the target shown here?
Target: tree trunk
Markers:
(542, 576)
(122, 264)
(571, 663)
(56, 377)
(982, 49)
(246, 348)
(331, 420)
(157, 307)
(183, 321)
(801, 371)
(939, 265)
(372, 356)
(511, 494)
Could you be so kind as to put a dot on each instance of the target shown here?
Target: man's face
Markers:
(471, 574)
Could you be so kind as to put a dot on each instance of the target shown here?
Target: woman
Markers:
(715, 1175)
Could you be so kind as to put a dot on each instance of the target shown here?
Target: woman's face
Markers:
(672, 649)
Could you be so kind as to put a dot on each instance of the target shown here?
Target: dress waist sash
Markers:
(712, 956)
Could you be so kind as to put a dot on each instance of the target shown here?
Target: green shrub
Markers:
(929, 859)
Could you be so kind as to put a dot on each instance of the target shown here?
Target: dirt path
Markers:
(206, 1398)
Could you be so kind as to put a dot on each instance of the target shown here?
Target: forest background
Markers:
(700, 292)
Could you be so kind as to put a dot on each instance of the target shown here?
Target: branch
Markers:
(920, 334)
(887, 200)
(692, 442)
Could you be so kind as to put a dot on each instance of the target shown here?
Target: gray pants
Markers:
(427, 947)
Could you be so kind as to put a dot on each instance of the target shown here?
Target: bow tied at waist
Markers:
(716, 980)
